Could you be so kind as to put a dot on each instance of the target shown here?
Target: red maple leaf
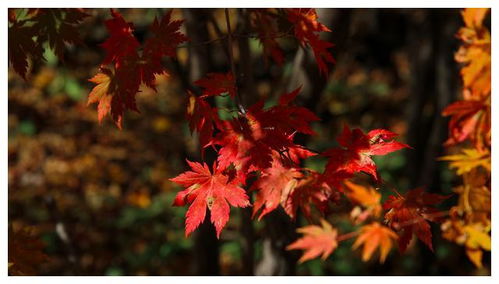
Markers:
(271, 186)
(306, 27)
(131, 69)
(284, 117)
(321, 53)
(22, 45)
(121, 42)
(164, 42)
(165, 38)
(205, 189)
(309, 190)
(355, 153)
(215, 84)
(241, 145)
(469, 119)
(114, 93)
(58, 27)
(249, 141)
(409, 214)
(265, 24)
(202, 118)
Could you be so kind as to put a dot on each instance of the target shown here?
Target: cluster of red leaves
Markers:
(469, 129)
(28, 34)
(133, 64)
(306, 27)
(259, 143)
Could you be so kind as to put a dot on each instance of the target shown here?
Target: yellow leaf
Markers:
(474, 195)
(477, 237)
(468, 160)
(475, 256)
(475, 53)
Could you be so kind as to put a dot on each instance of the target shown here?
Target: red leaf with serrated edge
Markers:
(131, 69)
(58, 27)
(249, 141)
(310, 190)
(409, 214)
(22, 46)
(321, 53)
(215, 84)
(306, 27)
(355, 153)
(317, 241)
(285, 117)
(242, 142)
(166, 37)
(265, 24)
(469, 119)
(271, 185)
(120, 89)
(121, 42)
(202, 118)
(212, 190)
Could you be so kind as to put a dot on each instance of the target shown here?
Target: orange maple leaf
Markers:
(373, 236)
(318, 240)
(475, 53)
(366, 196)
(102, 93)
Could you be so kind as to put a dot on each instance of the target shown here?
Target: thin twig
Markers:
(201, 43)
(231, 61)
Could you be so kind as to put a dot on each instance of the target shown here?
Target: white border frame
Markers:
(4, 4)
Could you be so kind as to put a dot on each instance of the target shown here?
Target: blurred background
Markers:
(89, 199)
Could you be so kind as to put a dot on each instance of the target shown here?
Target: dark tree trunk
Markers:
(206, 245)
(433, 86)
(434, 81)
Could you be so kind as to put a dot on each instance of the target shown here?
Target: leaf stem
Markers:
(347, 236)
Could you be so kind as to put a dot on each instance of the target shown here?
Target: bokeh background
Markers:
(97, 201)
